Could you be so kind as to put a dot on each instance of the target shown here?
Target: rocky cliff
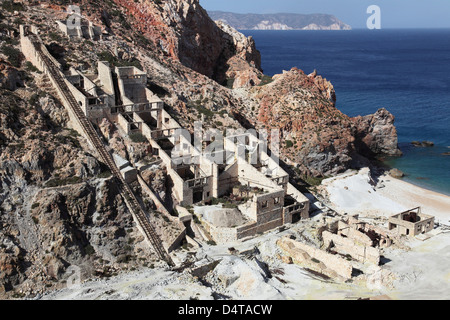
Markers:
(183, 31)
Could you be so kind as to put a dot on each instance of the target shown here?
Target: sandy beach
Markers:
(353, 193)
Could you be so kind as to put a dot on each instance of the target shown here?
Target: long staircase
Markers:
(125, 190)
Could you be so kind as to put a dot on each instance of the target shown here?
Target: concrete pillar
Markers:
(159, 116)
(215, 178)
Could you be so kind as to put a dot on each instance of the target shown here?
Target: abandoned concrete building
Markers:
(241, 164)
(121, 95)
(349, 236)
(411, 223)
(82, 29)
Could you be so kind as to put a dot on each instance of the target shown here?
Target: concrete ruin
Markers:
(197, 174)
(82, 29)
(411, 223)
(346, 245)
(358, 240)
(316, 260)
(121, 95)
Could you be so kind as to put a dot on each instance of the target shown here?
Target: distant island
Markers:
(280, 21)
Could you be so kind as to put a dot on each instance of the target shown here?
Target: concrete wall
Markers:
(105, 76)
(250, 176)
(386, 237)
(426, 224)
(357, 251)
(223, 235)
(31, 55)
(129, 174)
(79, 97)
(302, 200)
(228, 178)
(352, 233)
(327, 264)
(70, 32)
(168, 122)
(123, 123)
(132, 83)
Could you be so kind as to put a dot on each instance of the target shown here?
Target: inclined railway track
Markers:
(125, 189)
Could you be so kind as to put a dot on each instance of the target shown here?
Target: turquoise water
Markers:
(405, 71)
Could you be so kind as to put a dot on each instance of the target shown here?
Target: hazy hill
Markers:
(280, 21)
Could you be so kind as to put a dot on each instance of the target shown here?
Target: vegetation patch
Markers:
(289, 144)
(14, 55)
(104, 174)
(31, 68)
(89, 250)
(57, 182)
(202, 110)
(12, 6)
(137, 137)
(265, 80)
(116, 62)
(230, 83)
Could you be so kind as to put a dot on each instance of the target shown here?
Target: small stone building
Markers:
(411, 223)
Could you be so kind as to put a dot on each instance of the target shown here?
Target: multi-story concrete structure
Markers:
(121, 95)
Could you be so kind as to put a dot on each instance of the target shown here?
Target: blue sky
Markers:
(394, 13)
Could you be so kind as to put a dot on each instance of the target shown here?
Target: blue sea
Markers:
(405, 71)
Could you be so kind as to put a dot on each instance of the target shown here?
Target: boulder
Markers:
(423, 144)
(376, 134)
(396, 173)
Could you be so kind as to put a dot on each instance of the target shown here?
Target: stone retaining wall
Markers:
(316, 259)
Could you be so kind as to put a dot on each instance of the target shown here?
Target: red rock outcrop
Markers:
(315, 136)
(321, 136)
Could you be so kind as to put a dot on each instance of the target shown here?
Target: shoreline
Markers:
(424, 186)
(352, 193)
(422, 179)
(427, 199)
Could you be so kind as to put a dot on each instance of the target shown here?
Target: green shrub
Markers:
(265, 80)
(202, 110)
(62, 182)
(116, 62)
(12, 6)
(289, 144)
(55, 37)
(31, 68)
(137, 137)
(14, 55)
(104, 174)
(196, 220)
(230, 83)
(89, 250)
